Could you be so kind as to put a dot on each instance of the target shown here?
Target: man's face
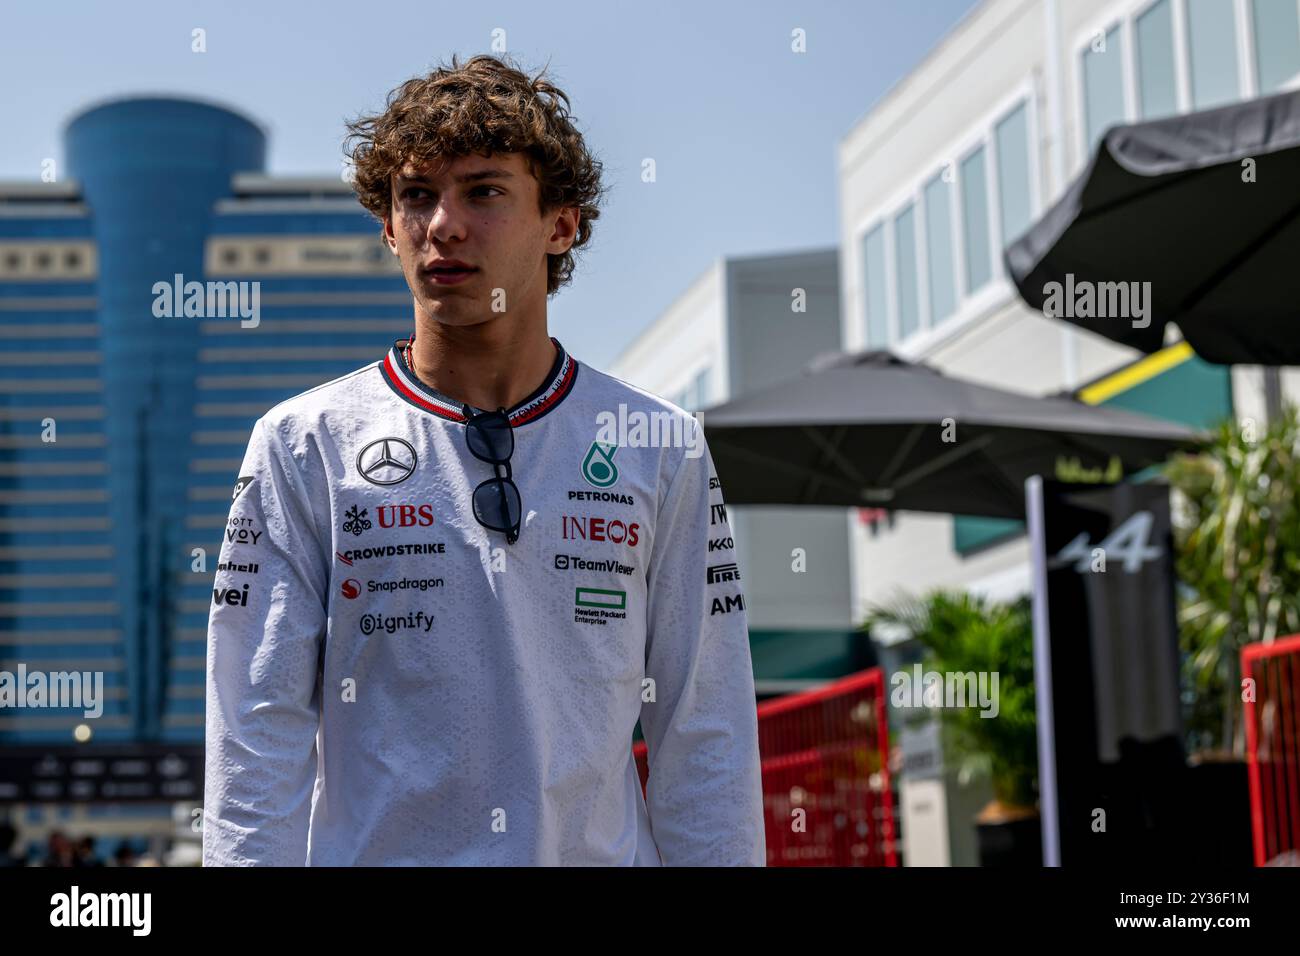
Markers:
(481, 211)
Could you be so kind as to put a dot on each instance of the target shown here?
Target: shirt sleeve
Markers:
(265, 635)
(704, 791)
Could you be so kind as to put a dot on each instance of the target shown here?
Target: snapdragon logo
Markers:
(103, 909)
(211, 300)
(951, 689)
(71, 690)
(1101, 300)
(638, 429)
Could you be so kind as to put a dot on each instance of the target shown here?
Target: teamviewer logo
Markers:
(561, 562)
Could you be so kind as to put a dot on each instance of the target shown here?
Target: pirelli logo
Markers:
(717, 573)
(600, 597)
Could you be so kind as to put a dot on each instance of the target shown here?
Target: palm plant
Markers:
(1237, 531)
(964, 633)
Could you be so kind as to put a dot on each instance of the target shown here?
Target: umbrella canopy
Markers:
(1204, 207)
(870, 429)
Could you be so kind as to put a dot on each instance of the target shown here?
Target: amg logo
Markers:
(733, 602)
(721, 544)
(723, 572)
(717, 513)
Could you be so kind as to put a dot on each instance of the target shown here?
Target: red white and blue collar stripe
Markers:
(403, 381)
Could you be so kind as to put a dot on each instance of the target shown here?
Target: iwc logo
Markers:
(387, 461)
(598, 468)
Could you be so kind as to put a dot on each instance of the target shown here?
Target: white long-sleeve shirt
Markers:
(389, 682)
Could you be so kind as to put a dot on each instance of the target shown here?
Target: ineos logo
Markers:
(387, 461)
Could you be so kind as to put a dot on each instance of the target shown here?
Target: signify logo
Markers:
(213, 300)
(83, 690)
(133, 910)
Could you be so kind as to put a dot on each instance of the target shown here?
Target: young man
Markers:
(467, 586)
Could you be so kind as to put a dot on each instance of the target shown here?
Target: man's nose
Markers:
(447, 221)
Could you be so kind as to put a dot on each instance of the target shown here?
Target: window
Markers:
(1157, 77)
(909, 307)
(701, 386)
(1212, 38)
(876, 293)
(1103, 85)
(938, 250)
(1277, 43)
(975, 220)
(1012, 138)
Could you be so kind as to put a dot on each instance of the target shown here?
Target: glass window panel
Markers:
(1012, 137)
(909, 308)
(1277, 43)
(1157, 86)
(1212, 39)
(975, 220)
(1103, 86)
(702, 389)
(873, 255)
(938, 249)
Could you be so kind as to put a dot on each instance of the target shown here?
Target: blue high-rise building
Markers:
(153, 303)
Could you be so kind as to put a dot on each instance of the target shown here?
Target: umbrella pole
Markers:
(1273, 393)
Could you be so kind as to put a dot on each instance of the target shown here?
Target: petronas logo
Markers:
(598, 467)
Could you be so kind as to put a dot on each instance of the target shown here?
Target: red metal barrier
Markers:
(1273, 748)
(825, 752)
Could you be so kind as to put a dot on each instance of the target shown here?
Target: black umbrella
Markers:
(1204, 207)
(869, 429)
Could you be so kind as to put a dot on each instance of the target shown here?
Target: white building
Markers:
(959, 158)
(945, 171)
(744, 324)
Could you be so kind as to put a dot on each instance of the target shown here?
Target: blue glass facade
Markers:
(109, 536)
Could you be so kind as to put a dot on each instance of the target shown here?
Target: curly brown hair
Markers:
(486, 105)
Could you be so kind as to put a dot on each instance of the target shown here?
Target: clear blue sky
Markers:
(743, 131)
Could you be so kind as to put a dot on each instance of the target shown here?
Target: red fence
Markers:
(1273, 747)
(825, 753)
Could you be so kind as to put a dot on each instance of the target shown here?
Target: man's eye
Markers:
(491, 187)
(407, 193)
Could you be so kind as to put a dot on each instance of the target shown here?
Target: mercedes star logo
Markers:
(386, 461)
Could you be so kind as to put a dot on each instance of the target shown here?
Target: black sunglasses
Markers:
(491, 438)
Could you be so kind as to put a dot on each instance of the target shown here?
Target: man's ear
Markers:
(389, 236)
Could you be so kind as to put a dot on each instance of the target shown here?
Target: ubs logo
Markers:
(387, 461)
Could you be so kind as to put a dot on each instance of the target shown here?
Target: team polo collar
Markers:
(402, 380)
